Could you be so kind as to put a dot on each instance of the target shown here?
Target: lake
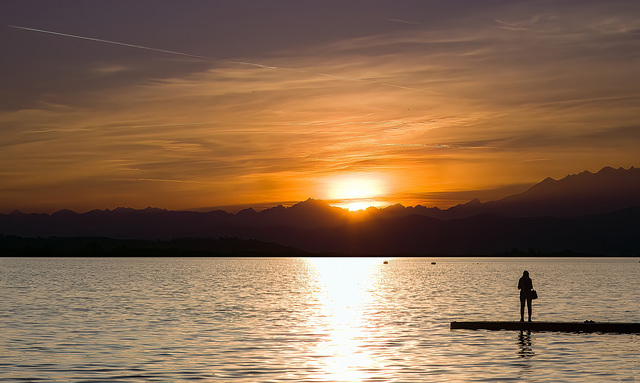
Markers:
(310, 320)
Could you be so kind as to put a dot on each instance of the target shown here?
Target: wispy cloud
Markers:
(160, 180)
(405, 21)
(527, 24)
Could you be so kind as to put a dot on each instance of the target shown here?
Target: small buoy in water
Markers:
(433, 263)
(386, 262)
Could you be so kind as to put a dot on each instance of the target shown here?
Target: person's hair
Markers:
(525, 273)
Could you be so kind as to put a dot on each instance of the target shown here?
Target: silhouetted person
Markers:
(525, 285)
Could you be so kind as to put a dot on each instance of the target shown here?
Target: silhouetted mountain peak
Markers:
(473, 202)
(121, 209)
(312, 204)
(464, 208)
(64, 213)
(547, 180)
(394, 208)
(316, 207)
(424, 208)
(309, 213)
(611, 170)
(150, 209)
(248, 212)
(576, 194)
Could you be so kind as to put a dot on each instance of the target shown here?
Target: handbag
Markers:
(534, 294)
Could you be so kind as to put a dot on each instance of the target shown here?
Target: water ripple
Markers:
(290, 319)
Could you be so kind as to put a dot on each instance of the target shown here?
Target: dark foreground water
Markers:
(310, 320)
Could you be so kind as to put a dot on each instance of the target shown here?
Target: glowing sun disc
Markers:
(355, 187)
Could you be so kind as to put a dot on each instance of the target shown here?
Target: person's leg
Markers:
(529, 301)
(522, 309)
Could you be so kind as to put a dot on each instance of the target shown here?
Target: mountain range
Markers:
(589, 213)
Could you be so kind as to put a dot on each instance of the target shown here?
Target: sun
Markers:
(355, 187)
(356, 191)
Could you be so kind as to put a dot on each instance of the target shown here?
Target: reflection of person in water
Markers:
(524, 340)
(525, 285)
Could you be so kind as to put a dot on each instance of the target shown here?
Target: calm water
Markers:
(310, 320)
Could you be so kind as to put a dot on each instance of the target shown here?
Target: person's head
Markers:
(525, 274)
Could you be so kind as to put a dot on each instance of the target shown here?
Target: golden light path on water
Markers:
(345, 287)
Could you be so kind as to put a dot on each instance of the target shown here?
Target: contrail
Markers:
(109, 42)
(140, 47)
(258, 65)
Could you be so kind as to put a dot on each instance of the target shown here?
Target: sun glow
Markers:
(356, 191)
(357, 205)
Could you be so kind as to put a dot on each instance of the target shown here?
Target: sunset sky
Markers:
(198, 104)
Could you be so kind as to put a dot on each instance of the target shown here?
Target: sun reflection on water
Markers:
(345, 287)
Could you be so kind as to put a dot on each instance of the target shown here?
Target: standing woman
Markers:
(525, 285)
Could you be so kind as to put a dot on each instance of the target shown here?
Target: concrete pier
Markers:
(603, 327)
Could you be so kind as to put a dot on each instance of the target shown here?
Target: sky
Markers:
(201, 104)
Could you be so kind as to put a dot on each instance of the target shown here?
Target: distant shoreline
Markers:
(14, 246)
